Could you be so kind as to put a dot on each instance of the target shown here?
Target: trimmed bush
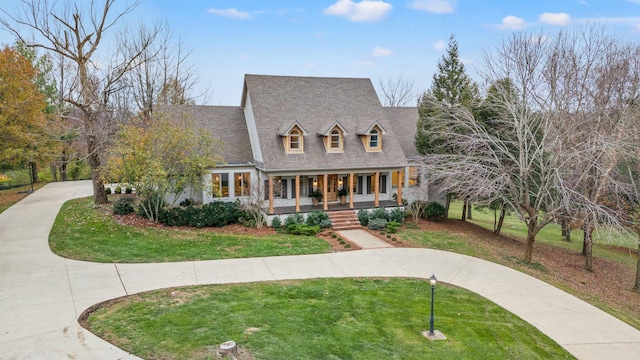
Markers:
(392, 227)
(363, 216)
(377, 224)
(316, 218)
(302, 229)
(107, 190)
(186, 202)
(397, 215)
(128, 190)
(293, 219)
(118, 190)
(276, 223)
(379, 213)
(124, 206)
(325, 224)
(433, 211)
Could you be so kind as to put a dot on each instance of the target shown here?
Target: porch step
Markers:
(344, 220)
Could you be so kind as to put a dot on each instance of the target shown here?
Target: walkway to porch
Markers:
(334, 206)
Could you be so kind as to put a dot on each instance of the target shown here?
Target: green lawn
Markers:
(84, 233)
(550, 235)
(319, 319)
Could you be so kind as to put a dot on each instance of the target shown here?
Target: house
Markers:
(292, 136)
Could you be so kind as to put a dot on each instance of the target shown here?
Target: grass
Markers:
(319, 319)
(550, 235)
(84, 233)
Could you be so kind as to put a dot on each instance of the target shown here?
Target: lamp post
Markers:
(433, 281)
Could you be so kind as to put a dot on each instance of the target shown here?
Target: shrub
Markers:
(293, 219)
(150, 203)
(388, 236)
(377, 224)
(379, 213)
(107, 190)
(118, 190)
(325, 224)
(433, 211)
(397, 215)
(220, 213)
(186, 202)
(363, 216)
(123, 206)
(302, 229)
(276, 222)
(392, 227)
(316, 218)
(128, 190)
(334, 235)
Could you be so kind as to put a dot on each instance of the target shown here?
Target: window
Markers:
(242, 185)
(220, 185)
(294, 140)
(383, 184)
(359, 186)
(369, 185)
(373, 139)
(414, 177)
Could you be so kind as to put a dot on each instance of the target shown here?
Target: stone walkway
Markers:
(42, 295)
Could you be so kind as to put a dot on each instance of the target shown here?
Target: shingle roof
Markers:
(317, 103)
(226, 123)
(404, 122)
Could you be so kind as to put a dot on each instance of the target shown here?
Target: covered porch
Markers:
(327, 190)
(333, 206)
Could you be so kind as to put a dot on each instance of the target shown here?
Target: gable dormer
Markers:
(371, 137)
(333, 137)
(293, 138)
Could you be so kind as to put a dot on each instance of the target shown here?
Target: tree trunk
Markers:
(503, 213)
(531, 238)
(636, 287)
(584, 241)
(464, 211)
(588, 247)
(54, 172)
(469, 217)
(33, 167)
(566, 229)
(447, 204)
(63, 166)
(99, 195)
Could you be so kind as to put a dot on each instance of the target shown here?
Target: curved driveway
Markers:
(42, 295)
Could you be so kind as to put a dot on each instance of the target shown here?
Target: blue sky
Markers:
(359, 38)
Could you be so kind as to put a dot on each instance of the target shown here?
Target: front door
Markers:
(332, 187)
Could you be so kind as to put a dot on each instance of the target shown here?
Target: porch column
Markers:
(270, 195)
(400, 178)
(350, 190)
(297, 193)
(376, 190)
(325, 203)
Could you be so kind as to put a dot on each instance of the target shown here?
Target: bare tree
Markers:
(557, 135)
(75, 30)
(397, 92)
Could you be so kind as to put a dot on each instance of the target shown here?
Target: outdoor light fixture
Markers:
(433, 281)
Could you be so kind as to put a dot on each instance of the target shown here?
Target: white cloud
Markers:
(232, 13)
(634, 1)
(435, 6)
(378, 52)
(440, 45)
(555, 18)
(365, 10)
(512, 23)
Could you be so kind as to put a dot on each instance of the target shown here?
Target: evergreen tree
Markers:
(451, 86)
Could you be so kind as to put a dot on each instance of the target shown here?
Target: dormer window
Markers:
(293, 138)
(333, 137)
(374, 139)
(371, 136)
(336, 140)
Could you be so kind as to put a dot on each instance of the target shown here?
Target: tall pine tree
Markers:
(451, 86)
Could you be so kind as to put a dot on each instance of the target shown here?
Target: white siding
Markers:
(253, 131)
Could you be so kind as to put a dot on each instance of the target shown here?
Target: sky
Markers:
(376, 39)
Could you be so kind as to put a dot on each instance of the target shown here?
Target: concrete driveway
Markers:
(42, 295)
